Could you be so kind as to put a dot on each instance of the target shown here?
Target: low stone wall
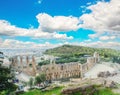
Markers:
(85, 90)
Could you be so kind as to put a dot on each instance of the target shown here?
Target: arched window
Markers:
(62, 67)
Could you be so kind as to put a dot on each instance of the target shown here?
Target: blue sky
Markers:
(49, 23)
(23, 13)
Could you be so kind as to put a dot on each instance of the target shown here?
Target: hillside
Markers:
(67, 51)
(79, 50)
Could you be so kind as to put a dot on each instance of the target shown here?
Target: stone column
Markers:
(81, 71)
(34, 65)
(14, 62)
(21, 62)
(27, 61)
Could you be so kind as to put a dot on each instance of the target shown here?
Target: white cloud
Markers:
(89, 3)
(10, 43)
(39, 1)
(107, 37)
(57, 23)
(92, 36)
(89, 40)
(10, 30)
(61, 36)
(54, 35)
(105, 17)
(100, 44)
(1, 40)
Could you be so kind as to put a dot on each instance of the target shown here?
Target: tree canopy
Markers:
(6, 79)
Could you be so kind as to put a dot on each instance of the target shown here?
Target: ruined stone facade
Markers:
(24, 64)
(54, 71)
(59, 71)
(67, 70)
(91, 61)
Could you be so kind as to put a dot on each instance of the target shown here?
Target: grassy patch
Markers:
(4, 92)
(57, 91)
(105, 91)
(54, 91)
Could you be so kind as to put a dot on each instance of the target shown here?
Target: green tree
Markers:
(44, 62)
(31, 82)
(6, 80)
(37, 80)
(43, 78)
(40, 79)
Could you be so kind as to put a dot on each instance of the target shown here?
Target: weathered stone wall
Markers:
(59, 71)
(91, 61)
(54, 71)
(24, 64)
(67, 70)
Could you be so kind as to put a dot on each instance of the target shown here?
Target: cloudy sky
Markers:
(50, 23)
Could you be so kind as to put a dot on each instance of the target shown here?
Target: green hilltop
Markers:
(69, 50)
(75, 52)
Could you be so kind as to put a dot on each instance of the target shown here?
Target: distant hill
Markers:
(74, 53)
(71, 50)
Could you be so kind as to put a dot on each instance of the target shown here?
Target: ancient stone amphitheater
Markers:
(53, 71)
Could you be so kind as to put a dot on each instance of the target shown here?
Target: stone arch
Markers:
(62, 67)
